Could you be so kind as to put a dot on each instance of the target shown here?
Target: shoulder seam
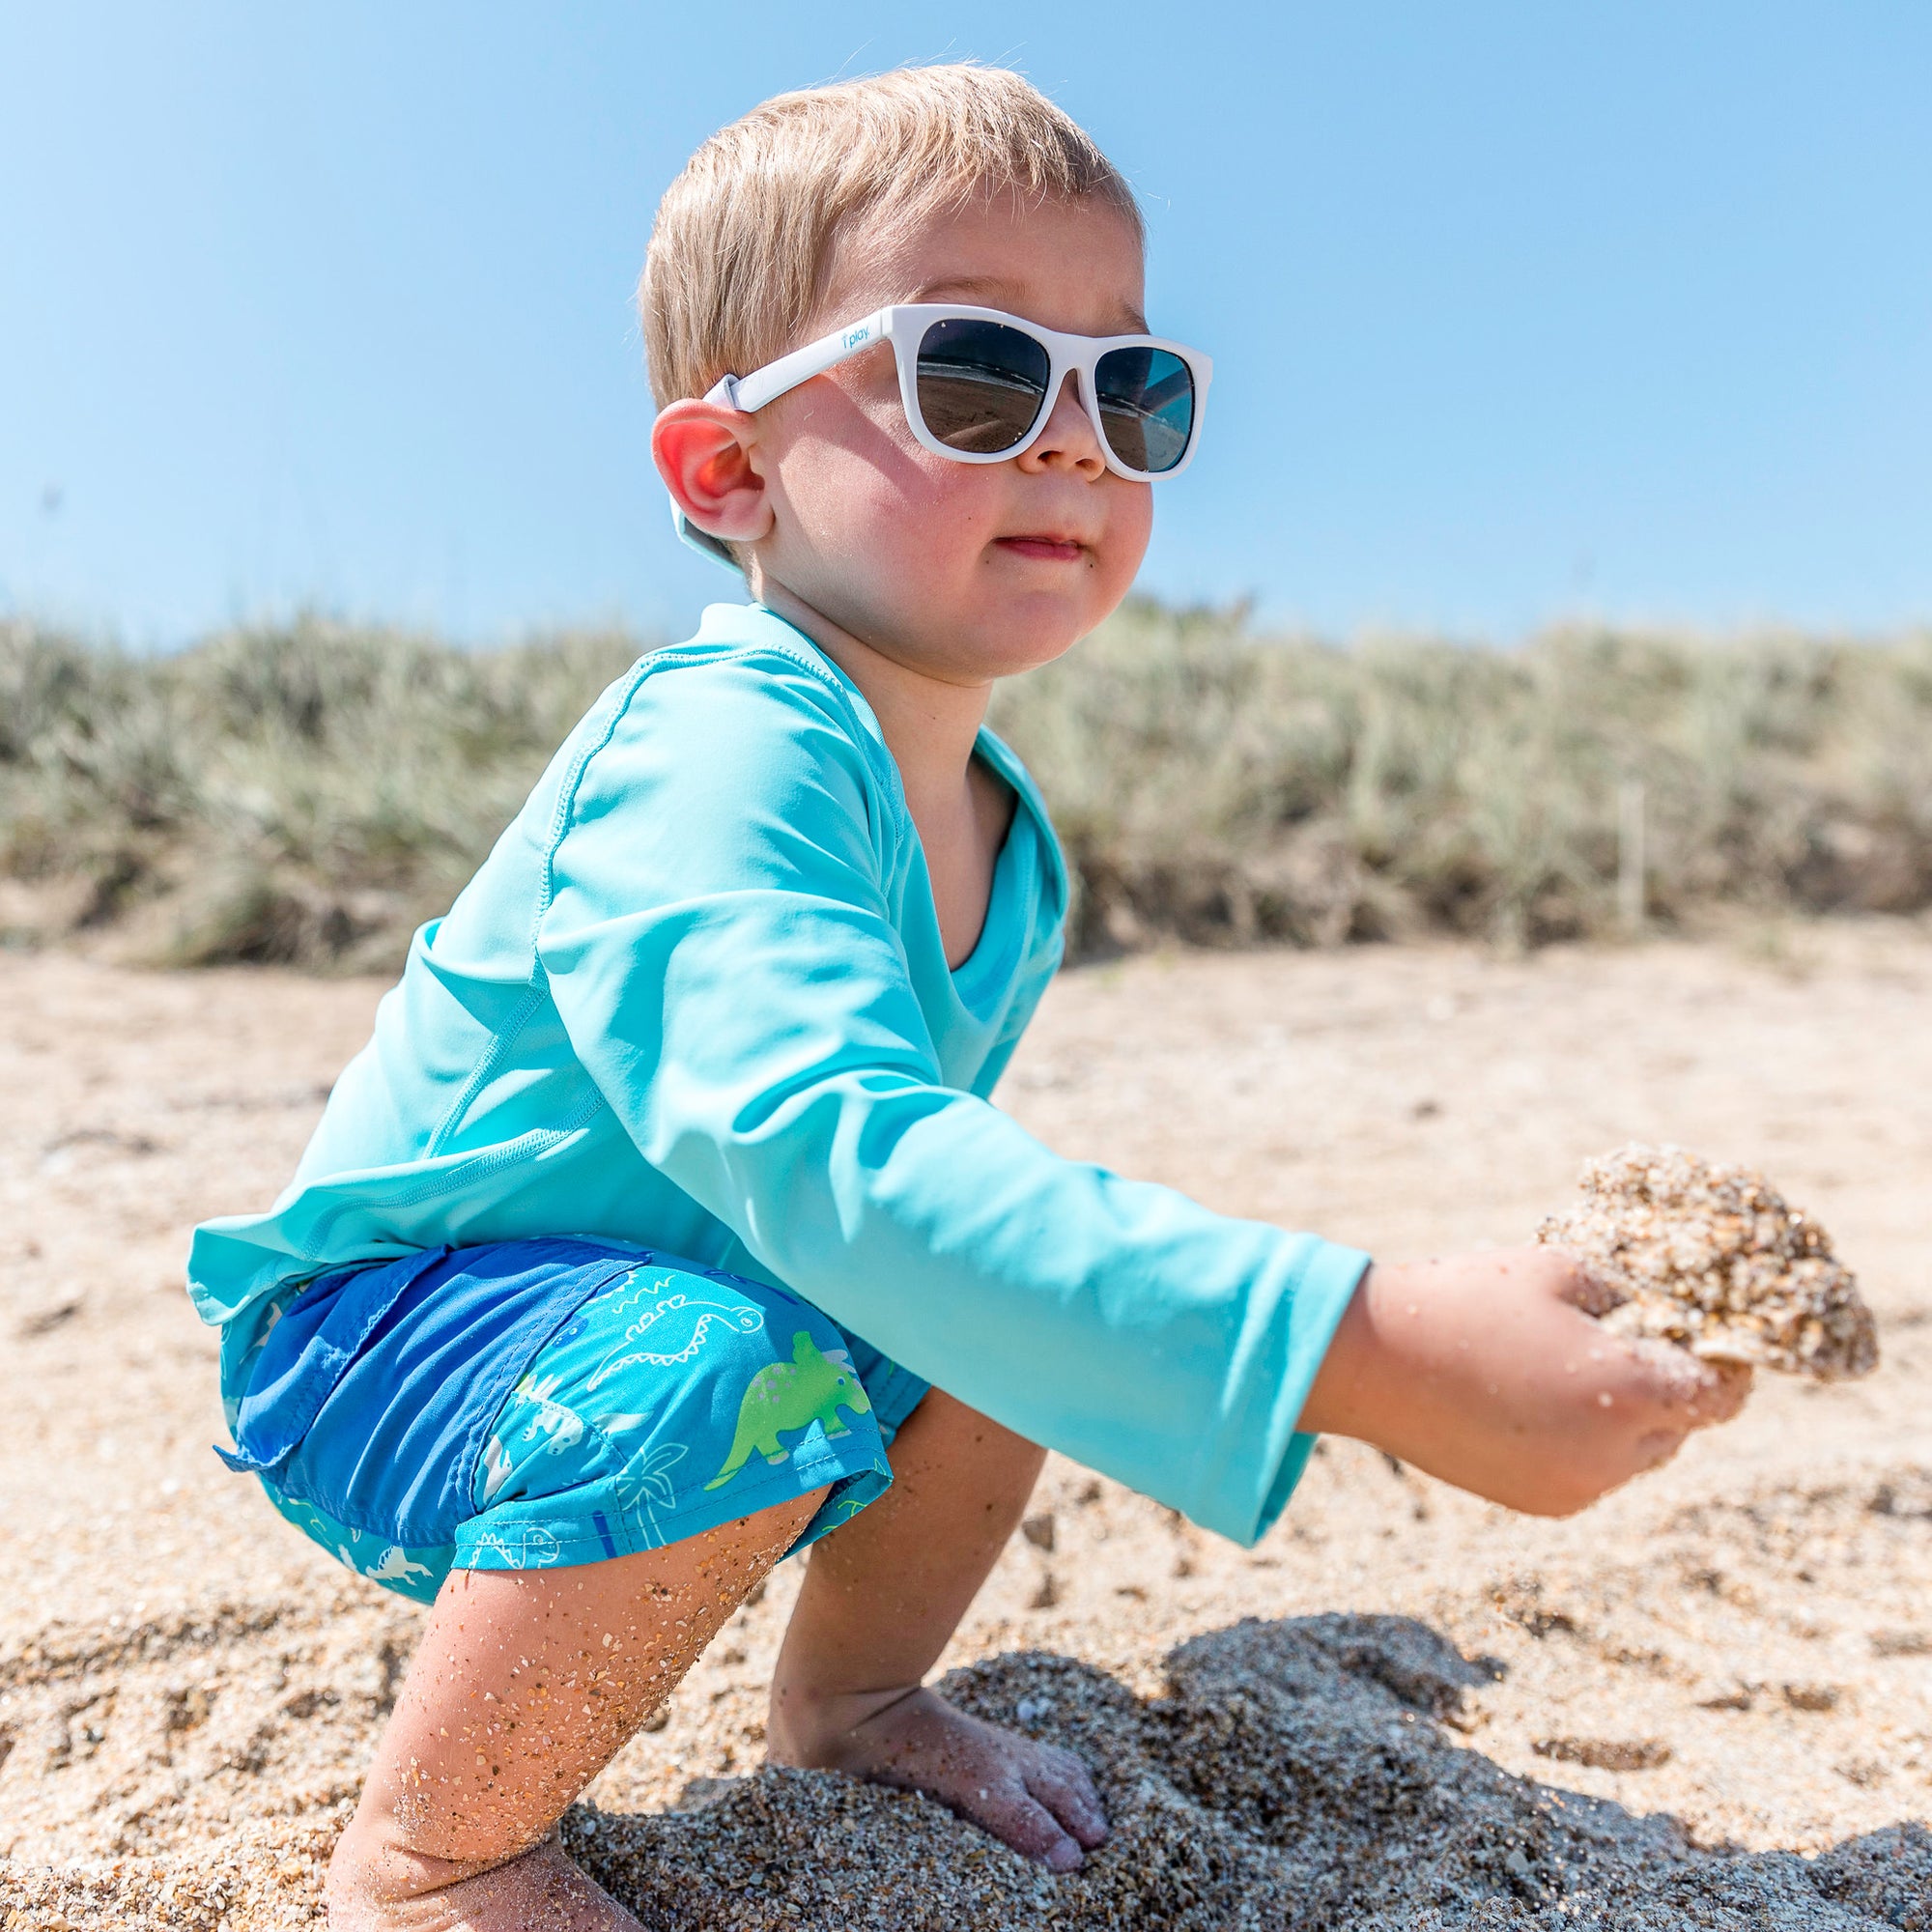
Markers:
(566, 805)
(485, 1066)
(692, 655)
(671, 659)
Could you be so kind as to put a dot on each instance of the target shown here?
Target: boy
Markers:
(667, 1187)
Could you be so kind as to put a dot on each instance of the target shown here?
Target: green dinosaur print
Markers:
(810, 1388)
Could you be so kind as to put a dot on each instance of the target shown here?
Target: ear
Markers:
(704, 452)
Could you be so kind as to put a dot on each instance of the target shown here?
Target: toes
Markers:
(1064, 1857)
(1016, 1818)
(1062, 1785)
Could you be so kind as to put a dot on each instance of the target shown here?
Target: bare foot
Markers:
(1034, 1796)
(380, 1890)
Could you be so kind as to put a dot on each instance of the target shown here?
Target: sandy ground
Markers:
(1405, 1709)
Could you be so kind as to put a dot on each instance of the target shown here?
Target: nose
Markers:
(1068, 440)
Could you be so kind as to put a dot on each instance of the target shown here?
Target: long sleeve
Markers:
(719, 938)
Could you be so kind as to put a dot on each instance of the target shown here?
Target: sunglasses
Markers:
(978, 387)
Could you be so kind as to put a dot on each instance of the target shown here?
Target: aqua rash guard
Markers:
(697, 998)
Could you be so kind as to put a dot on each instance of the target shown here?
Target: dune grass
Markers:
(1216, 785)
(309, 793)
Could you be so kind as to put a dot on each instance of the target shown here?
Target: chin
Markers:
(1026, 640)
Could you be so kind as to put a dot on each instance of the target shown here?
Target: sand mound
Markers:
(1300, 1770)
(1714, 1260)
(1296, 1772)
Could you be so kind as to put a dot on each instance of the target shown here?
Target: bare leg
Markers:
(525, 1686)
(879, 1601)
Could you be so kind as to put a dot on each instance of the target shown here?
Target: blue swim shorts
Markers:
(547, 1402)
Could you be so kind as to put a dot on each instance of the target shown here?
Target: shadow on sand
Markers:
(1296, 1772)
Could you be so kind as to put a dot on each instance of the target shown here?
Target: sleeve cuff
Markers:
(1322, 1298)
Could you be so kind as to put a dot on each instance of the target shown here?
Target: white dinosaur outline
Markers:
(741, 1318)
(497, 1471)
(523, 1546)
(559, 1422)
(394, 1567)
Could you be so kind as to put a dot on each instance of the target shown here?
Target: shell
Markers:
(1714, 1260)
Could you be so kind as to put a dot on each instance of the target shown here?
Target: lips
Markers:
(1047, 548)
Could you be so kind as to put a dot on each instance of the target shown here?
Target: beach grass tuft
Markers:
(309, 792)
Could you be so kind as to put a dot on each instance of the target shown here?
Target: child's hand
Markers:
(1484, 1371)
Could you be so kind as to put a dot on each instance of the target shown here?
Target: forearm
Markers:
(1398, 1376)
(1482, 1369)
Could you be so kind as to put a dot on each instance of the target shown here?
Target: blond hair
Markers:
(738, 252)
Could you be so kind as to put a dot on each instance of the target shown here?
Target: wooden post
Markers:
(1633, 865)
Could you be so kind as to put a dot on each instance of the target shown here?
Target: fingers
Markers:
(1685, 1395)
(1731, 1385)
(1655, 1449)
(1704, 1392)
(1697, 1393)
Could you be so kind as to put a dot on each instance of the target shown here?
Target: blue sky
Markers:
(1518, 311)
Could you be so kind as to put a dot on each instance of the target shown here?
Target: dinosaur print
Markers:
(576, 1462)
(518, 1545)
(677, 1326)
(497, 1471)
(563, 1426)
(396, 1567)
(812, 1387)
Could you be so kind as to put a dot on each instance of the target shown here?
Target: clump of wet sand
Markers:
(1714, 1260)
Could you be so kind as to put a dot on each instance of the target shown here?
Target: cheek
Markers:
(854, 453)
(878, 496)
(1122, 544)
(1129, 527)
(948, 511)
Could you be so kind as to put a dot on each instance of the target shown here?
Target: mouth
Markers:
(1046, 546)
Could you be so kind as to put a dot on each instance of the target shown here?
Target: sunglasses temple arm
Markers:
(765, 385)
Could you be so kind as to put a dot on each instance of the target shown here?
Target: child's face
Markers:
(964, 571)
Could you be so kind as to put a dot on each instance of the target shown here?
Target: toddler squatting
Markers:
(666, 1225)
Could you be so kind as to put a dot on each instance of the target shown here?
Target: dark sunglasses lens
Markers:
(980, 385)
(1146, 405)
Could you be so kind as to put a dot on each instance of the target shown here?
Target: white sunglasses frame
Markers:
(904, 324)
